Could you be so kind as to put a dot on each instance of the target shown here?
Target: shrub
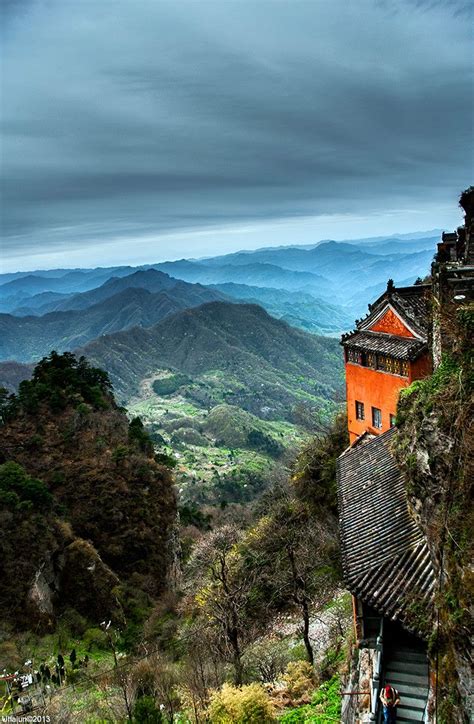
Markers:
(259, 441)
(327, 700)
(267, 659)
(120, 454)
(145, 711)
(61, 379)
(166, 460)
(95, 640)
(325, 706)
(83, 409)
(190, 514)
(138, 435)
(20, 490)
(299, 680)
(245, 705)
(301, 715)
(314, 476)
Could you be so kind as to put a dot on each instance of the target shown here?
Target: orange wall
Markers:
(377, 389)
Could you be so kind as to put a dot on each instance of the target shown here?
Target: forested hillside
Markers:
(87, 513)
(265, 361)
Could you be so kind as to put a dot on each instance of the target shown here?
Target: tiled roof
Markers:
(386, 561)
(399, 347)
(411, 303)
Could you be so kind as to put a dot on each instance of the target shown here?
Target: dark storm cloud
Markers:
(132, 115)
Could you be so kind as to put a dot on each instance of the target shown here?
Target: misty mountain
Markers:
(44, 302)
(333, 271)
(341, 275)
(299, 309)
(323, 255)
(358, 307)
(292, 258)
(152, 280)
(61, 272)
(41, 303)
(401, 246)
(258, 274)
(267, 364)
(29, 338)
(14, 291)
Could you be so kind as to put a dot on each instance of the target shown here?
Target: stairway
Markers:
(406, 668)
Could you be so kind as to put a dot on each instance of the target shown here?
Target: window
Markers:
(371, 360)
(360, 413)
(392, 420)
(377, 418)
(354, 355)
(392, 365)
(384, 363)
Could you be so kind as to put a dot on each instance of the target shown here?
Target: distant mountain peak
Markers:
(140, 275)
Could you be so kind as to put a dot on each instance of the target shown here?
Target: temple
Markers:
(387, 352)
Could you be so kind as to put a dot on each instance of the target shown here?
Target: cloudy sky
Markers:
(139, 130)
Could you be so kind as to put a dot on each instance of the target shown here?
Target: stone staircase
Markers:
(406, 668)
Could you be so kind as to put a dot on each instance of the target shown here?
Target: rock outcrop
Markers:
(434, 448)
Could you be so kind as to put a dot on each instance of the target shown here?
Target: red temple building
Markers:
(387, 352)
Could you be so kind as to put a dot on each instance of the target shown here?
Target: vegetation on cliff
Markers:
(87, 511)
(434, 448)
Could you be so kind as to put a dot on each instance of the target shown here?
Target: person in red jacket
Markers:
(390, 699)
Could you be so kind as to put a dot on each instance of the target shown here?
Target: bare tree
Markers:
(222, 593)
(294, 554)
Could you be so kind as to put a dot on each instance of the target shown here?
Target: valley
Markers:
(220, 454)
(252, 388)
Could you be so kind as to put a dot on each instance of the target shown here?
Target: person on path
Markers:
(390, 699)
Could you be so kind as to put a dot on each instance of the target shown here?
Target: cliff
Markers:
(87, 513)
(434, 449)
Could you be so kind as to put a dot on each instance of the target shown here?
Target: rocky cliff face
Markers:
(434, 448)
(88, 513)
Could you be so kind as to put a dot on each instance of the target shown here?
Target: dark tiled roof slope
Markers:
(412, 304)
(400, 347)
(386, 561)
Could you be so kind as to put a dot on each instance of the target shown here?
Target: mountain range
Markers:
(332, 271)
(300, 309)
(319, 289)
(269, 366)
(141, 299)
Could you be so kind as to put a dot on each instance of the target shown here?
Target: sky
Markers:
(135, 131)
